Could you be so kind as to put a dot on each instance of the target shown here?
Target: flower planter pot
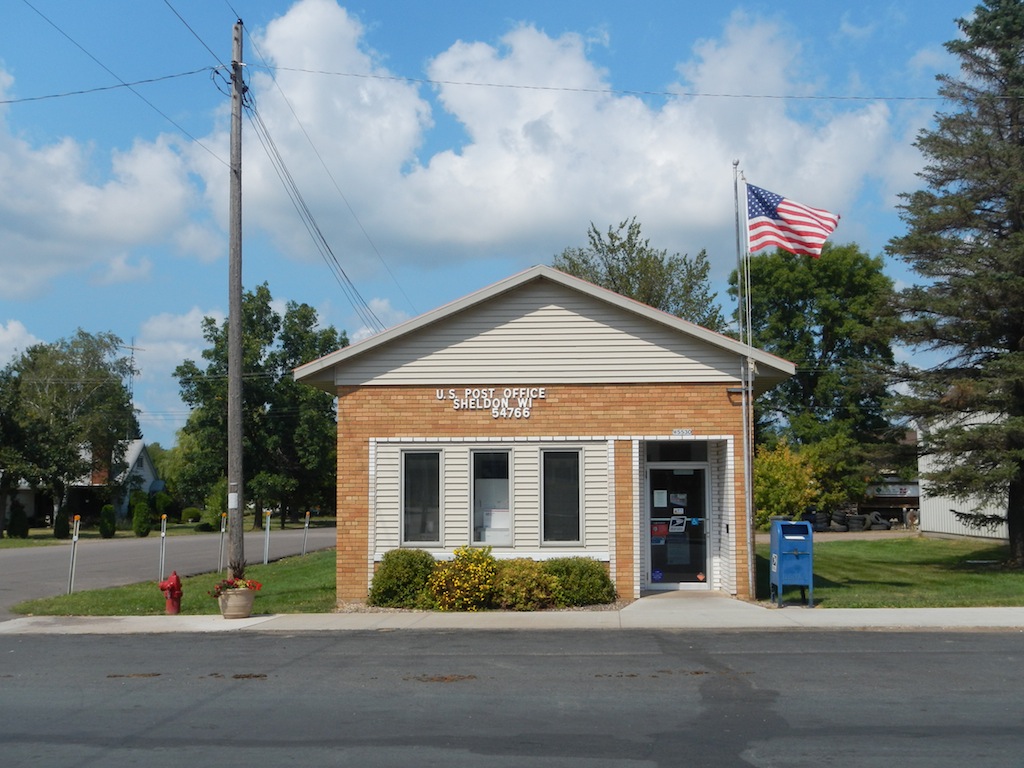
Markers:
(236, 603)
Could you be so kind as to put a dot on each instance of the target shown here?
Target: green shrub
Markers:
(108, 521)
(581, 581)
(17, 526)
(165, 505)
(401, 580)
(467, 582)
(141, 523)
(191, 514)
(524, 585)
(61, 525)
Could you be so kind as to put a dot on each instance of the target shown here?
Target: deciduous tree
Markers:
(288, 430)
(626, 263)
(70, 410)
(832, 317)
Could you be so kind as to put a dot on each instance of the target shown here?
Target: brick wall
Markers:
(628, 410)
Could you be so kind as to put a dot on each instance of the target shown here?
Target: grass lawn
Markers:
(905, 573)
(301, 584)
(886, 573)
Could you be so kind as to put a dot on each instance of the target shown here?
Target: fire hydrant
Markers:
(171, 588)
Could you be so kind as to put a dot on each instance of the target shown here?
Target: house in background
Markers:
(86, 496)
(135, 472)
(546, 417)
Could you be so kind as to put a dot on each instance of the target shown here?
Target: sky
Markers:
(440, 147)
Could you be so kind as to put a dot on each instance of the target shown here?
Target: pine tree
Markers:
(966, 241)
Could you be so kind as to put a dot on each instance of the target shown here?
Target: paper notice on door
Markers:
(661, 499)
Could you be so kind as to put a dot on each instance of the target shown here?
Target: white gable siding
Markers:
(542, 333)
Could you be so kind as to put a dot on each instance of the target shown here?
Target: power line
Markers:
(101, 88)
(109, 71)
(606, 91)
(359, 304)
(330, 175)
(195, 34)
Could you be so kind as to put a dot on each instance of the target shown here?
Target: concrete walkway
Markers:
(669, 611)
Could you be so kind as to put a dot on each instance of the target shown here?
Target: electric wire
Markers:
(607, 91)
(100, 89)
(194, 33)
(330, 175)
(359, 304)
(110, 72)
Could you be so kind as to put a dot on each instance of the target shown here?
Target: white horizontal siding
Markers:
(543, 333)
(455, 496)
(596, 510)
(387, 497)
(938, 512)
(526, 497)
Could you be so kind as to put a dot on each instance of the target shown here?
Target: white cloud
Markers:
(164, 342)
(853, 31)
(14, 339)
(56, 219)
(388, 315)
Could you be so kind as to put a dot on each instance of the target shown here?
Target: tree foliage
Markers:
(965, 239)
(784, 483)
(831, 317)
(66, 411)
(288, 429)
(624, 262)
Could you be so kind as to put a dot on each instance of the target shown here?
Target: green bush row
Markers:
(474, 580)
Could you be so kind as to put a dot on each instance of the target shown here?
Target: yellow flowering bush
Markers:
(466, 583)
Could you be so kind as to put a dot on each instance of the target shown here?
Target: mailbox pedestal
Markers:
(792, 558)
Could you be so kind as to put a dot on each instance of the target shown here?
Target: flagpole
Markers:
(746, 378)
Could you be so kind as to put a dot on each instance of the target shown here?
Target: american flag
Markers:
(776, 221)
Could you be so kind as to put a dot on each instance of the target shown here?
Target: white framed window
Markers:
(421, 497)
(492, 509)
(561, 519)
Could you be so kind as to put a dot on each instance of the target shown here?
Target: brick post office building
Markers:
(546, 417)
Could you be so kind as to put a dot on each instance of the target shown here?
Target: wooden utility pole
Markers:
(236, 480)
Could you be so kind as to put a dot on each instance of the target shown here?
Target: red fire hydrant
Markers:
(171, 588)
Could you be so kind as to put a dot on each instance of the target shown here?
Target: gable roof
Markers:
(325, 373)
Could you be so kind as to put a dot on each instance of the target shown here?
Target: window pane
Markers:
(561, 496)
(421, 508)
(492, 519)
(677, 450)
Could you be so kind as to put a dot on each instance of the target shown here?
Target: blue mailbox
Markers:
(792, 558)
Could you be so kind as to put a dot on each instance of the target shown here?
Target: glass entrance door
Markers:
(677, 503)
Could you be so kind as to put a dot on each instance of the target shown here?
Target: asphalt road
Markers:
(32, 572)
(486, 699)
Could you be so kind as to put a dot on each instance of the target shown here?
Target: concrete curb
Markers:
(661, 612)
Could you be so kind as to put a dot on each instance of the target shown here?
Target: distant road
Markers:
(43, 571)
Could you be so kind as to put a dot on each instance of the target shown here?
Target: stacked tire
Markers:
(857, 523)
(839, 518)
(878, 523)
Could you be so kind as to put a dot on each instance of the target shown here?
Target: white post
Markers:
(74, 551)
(266, 537)
(305, 533)
(163, 546)
(223, 528)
